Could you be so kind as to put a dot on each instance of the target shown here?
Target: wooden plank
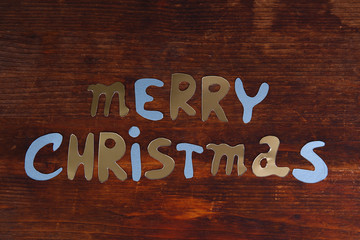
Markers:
(307, 51)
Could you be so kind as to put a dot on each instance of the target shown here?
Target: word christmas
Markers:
(108, 157)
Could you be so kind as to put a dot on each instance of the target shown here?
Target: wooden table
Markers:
(307, 51)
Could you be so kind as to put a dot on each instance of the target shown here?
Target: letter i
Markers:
(135, 155)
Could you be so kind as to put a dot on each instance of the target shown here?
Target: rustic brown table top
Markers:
(307, 51)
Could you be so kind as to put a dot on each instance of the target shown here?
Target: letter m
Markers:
(230, 153)
(109, 92)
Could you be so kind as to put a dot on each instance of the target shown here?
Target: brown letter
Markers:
(75, 159)
(108, 156)
(270, 156)
(179, 98)
(230, 153)
(109, 92)
(167, 161)
(210, 100)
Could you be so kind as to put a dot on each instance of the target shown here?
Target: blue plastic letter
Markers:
(141, 97)
(321, 169)
(54, 138)
(189, 149)
(134, 132)
(136, 162)
(249, 102)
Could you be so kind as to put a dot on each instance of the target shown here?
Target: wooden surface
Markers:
(307, 51)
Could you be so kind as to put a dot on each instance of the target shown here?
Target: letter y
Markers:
(249, 102)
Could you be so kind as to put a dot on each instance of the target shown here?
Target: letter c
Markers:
(55, 139)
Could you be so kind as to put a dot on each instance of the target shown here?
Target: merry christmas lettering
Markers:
(108, 156)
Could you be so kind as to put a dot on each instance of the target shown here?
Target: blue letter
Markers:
(321, 169)
(54, 138)
(188, 148)
(134, 132)
(135, 162)
(249, 102)
(141, 97)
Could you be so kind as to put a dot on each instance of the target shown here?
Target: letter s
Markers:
(321, 170)
(54, 138)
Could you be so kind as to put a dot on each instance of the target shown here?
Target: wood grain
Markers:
(307, 51)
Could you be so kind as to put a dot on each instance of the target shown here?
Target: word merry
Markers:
(108, 157)
(178, 98)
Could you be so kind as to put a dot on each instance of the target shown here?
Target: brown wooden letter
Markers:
(179, 98)
(210, 100)
(109, 92)
(75, 159)
(270, 156)
(108, 156)
(230, 153)
(168, 162)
